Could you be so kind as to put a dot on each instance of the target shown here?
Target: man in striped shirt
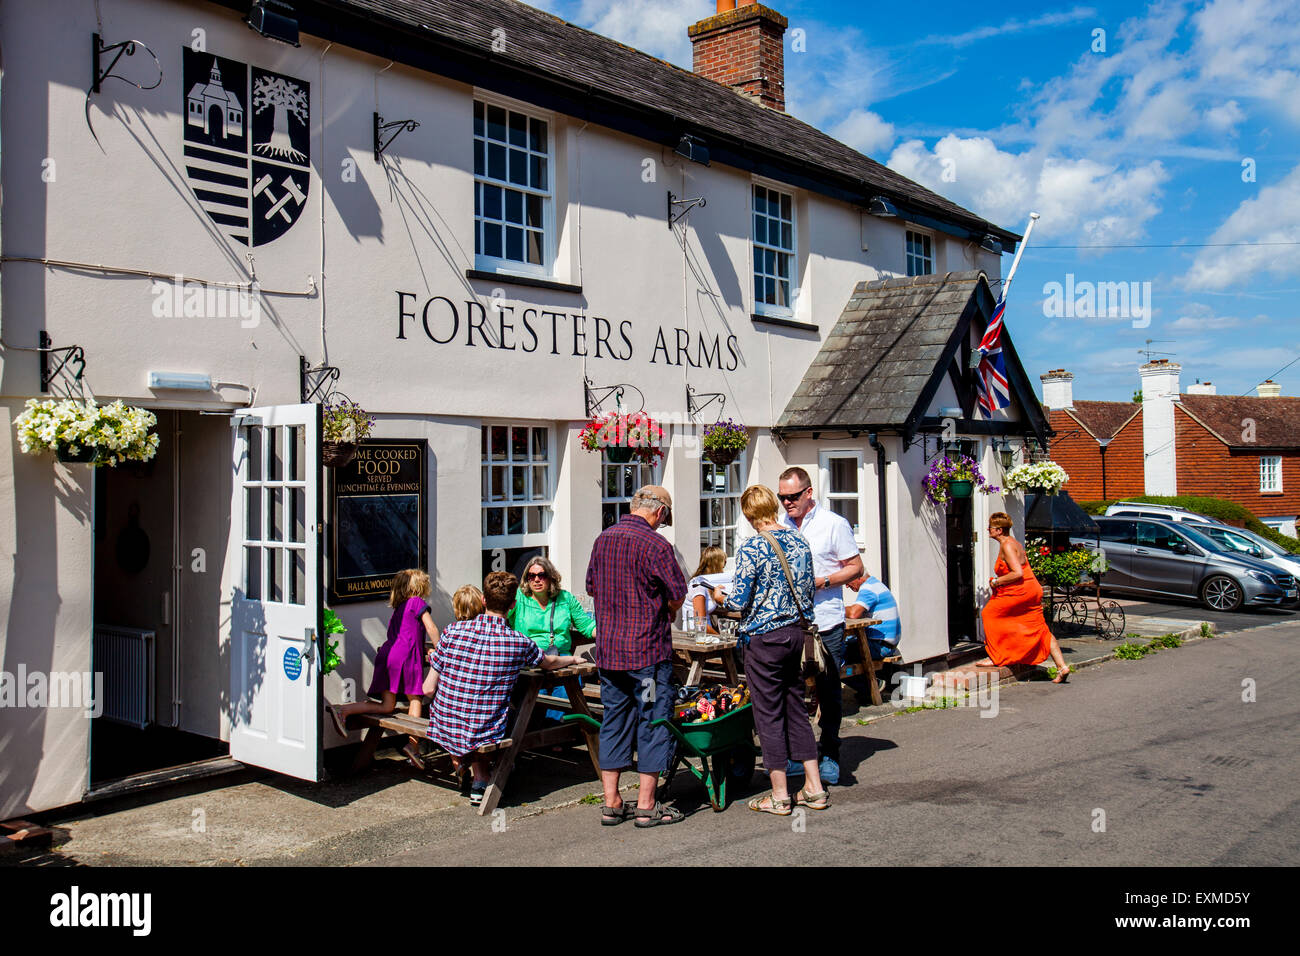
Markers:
(477, 663)
(876, 600)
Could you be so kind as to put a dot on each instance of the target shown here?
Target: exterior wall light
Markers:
(271, 24)
(882, 207)
(692, 148)
(990, 244)
(186, 381)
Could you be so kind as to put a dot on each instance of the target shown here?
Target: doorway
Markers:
(156, 603)
(961, 572)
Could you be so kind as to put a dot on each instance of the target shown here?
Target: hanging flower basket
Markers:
(86, 432)
(336, 454)
(1043, 477)
(954, 476)
(624, 437)
(723, 442)
(344, 424)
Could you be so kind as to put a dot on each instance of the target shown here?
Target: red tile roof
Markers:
(1103, 419)
(1247, 421)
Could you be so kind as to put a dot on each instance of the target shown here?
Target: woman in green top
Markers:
(545, 613)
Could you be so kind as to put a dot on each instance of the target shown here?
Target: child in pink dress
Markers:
(398, 662)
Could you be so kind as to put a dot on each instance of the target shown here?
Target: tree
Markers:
(1137, 396)
(285, 98)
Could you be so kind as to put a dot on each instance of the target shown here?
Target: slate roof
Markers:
(1103, 419)
(1277, 420)
(598, 68)
(883, 350)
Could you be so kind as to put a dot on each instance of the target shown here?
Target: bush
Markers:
(1211, 507)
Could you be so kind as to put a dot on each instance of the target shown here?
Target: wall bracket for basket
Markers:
(73, 354)
(312, 380)
(398, 127)
(694, 405)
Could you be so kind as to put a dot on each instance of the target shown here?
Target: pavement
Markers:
(388, 815)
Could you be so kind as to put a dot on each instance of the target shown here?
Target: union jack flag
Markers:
(991, 374)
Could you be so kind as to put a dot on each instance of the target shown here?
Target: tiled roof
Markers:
(593, 66)
(1103, 419)
(1269, 422)
(882, 352)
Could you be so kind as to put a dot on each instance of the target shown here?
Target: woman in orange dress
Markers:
(1015, 631)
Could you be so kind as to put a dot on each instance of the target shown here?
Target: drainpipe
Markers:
(881, 464)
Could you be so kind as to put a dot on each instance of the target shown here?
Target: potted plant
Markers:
(332, 626)
(344, 424)
(624, 437)
(87, 432)
(723, 442)
(1046, 477)
(954, 476)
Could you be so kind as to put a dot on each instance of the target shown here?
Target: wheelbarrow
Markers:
(724, 747)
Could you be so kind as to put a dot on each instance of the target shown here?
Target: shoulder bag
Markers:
(814, 653)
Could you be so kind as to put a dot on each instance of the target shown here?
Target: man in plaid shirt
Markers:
(477, 663)
(638, 587)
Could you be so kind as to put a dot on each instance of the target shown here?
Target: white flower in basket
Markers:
(1045, 476)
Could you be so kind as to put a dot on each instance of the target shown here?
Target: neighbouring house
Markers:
(1242, 448)
(479, 221)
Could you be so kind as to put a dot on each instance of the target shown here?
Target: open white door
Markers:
(275, 681)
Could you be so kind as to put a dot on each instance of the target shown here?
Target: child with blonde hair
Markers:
(398, 662)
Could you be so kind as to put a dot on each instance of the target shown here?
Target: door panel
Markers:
(1157, 567)
(1117, 539)
(275, 609)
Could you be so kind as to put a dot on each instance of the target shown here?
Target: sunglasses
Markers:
(535, 576)
(791, 499)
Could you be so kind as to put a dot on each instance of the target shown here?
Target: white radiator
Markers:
(125, 656)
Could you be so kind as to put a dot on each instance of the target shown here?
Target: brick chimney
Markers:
(1269, 389)
(1058, 388)
(741, 47)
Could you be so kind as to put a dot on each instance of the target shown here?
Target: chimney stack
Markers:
(1058, 389)
(1202, 388)
(1270, 389)
(741, 48)
(1159, 393)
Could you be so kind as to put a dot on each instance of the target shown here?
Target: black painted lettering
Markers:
(732, 342)
(455, 320)
(555, 334)
(402, 314)
(471, 325)
(579, 336)
(660, 344)
(602, 337)
(501, 317)
(528, 327)
(684, 347)
(623, 328)
(707, 357)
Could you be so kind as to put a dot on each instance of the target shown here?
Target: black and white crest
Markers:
(247, 150)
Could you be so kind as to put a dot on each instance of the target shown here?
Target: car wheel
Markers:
(1221, 593)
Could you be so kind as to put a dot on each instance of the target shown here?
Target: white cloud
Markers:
(1010, 26)
(865, 131)
(1273, 216)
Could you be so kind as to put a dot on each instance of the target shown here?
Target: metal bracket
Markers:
(398, 127)
(689, 204)
(73, 353)
(312, 380)
(126, 47)
(694, 406)
(592, 403)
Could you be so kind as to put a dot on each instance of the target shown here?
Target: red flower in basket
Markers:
(1044, 550)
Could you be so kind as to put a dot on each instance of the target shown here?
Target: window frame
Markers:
(527, 539)
(764, 308)
(930, 239)
(1276, 488)
(550, 242)
(824, 457)
(653, 475)
(708, 529)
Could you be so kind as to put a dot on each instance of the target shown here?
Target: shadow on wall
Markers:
(247, 645)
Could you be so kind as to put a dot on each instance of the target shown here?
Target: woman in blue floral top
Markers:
(774, 652)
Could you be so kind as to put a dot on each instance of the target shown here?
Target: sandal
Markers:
(1062, 675)
(813, 801)
(782, 808)
(659, 816)
(613, 816)
(412, 751)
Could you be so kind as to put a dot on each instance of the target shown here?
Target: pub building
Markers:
(480, 223)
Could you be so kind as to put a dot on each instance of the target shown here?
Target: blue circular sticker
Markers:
(292, 663)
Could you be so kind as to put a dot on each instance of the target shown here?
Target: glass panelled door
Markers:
(275, 681)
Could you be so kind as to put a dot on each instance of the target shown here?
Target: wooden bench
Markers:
(406, 726)
(866, 666)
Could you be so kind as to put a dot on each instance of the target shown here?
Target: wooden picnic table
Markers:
(686, 643)
(866, 666)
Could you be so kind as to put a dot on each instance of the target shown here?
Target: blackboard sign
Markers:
(379, 512)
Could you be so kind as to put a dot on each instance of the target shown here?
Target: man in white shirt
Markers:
(835, 562)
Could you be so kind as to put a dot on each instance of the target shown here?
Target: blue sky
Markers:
(1167, 134)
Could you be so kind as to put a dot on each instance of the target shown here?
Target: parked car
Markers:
(1141, 509)
(1247, 542)
(1175, 559)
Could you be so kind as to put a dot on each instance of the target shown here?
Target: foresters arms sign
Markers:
(379, 518)
(470, 323)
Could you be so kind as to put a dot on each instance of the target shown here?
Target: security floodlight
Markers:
(272, 24)
(692, 148)
(991, 244)
(882, 207)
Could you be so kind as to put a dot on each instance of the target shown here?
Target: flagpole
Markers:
(1020, 251)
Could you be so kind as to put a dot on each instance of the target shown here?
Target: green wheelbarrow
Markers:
(724, 746)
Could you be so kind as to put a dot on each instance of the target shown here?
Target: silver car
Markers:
(1175, 559)
(1247, 542)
